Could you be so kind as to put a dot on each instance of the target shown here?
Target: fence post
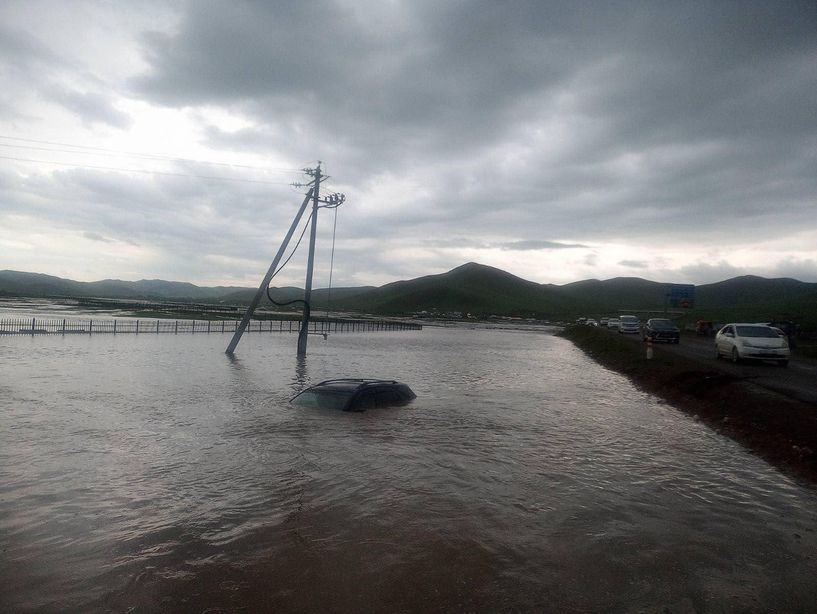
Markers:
(157, 327)
(114, 326)
(194, 327)
(176, 329)
(137, 327)
(208, 327)
(222, 325)
(63, 326)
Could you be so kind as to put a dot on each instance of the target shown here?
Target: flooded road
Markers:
(152, 473)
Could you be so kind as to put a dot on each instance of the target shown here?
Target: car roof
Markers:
(747, 324)
(352, 383)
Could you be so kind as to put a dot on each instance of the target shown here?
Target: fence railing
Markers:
(114, 326)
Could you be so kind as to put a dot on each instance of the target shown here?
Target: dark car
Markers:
(355, 394)
(661, 329)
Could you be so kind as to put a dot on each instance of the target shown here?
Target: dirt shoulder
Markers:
(781, 429)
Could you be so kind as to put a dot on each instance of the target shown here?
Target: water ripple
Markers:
(138, 472)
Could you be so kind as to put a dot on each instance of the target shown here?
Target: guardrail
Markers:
(114, 326)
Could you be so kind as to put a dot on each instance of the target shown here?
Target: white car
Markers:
(752, 341)
(613, 323)
(629, 324)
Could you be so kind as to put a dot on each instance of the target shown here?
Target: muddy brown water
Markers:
(155, 474)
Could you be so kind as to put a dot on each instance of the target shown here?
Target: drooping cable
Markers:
(307, 307)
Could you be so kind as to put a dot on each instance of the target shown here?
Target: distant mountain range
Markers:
(471, 288)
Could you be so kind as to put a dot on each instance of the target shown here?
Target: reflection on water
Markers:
(155, 473)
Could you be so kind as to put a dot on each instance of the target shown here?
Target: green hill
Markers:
(472, 288)
(17, 283)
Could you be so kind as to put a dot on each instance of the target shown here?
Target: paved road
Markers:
(798, 380)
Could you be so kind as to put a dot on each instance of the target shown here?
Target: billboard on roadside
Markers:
(682, 295)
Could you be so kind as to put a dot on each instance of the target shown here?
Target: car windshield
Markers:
(661, 324)
(629, 319)
(756, 331)
(325, 399)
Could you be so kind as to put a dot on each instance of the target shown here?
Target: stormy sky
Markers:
(559, 141)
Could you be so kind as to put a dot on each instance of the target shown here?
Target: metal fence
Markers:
(77, 326)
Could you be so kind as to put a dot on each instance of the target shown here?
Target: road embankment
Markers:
(781, 429)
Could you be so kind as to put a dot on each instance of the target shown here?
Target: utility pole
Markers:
(268, 277)
(333, 201)
(303, 335)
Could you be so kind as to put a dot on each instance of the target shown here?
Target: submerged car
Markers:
(355, 394)
(629, 324)
(752, 342)
(661, 329)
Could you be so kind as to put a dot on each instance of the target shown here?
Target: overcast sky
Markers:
(674, 141)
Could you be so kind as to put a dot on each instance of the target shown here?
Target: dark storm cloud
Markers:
(644, 118)
(91, 107)
(31, 68)
(523, 246)
(94, 236)
(22, 52)
(635, 264)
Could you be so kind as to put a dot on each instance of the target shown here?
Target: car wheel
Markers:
(735, 356)
(783, 363)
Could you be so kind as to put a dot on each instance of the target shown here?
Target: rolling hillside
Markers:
(16, 283)
(471, 288)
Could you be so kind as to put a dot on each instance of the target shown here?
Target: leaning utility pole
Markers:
(332, 202)
(303, 335)
(268, 277)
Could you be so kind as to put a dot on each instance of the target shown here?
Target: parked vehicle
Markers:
(591, 322)
(629, 325)
(661, 329)
(613, 323)
(355, 394)
(752, 341)
(603, 322)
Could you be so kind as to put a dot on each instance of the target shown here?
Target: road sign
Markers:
(682, 295)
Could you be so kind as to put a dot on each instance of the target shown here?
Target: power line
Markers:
(143, 171)
(98, 151)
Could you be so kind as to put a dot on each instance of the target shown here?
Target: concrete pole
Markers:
(262, 289)
(304, 332)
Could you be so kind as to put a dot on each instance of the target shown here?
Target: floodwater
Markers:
(152, 473)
